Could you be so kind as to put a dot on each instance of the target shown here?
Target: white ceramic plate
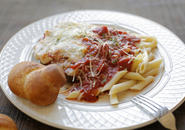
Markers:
(169, 87)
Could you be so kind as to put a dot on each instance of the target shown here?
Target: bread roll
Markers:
(38, 83)
(6, 123)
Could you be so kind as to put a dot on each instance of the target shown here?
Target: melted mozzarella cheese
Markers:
(66, 38)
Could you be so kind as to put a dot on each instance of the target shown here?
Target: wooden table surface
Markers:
(15, 14)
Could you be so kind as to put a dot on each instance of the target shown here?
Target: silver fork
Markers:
(156, 110)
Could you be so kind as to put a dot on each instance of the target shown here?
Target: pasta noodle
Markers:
(152, 72)
(154, 64)
(73, 95)
(141, 84)
(114, 99)
(79, 97)
(134, 76)
(143, 66)
(149, 42)
(136, 62)
(151, 57)
(115, 79)
(121, 87)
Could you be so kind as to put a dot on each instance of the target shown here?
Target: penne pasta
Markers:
(148, 38)
(114, 99)
(121, 87)
(151, 56)
(154, 64)
(80, 96)
(148, 42)
(73, 95)
(143, 66)
(148, 50)
(122, 80)
(65, 89)
(141, 84)
(115, 79)
(133, 76)
(136, 62)
(152, 72)
(147, 45)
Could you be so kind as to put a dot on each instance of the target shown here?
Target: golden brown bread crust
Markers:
(18, 74)
(44, 84)
(38, 83)
(6, 123)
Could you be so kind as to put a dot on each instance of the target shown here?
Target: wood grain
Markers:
(15, 14)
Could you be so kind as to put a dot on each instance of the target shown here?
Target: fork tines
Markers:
(153, 108)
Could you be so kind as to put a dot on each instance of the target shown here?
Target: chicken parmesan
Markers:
(99, 58)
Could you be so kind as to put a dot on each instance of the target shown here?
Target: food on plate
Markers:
(6, 123)
(99, 58)
(38, 83)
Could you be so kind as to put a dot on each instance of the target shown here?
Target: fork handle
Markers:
(168, 121)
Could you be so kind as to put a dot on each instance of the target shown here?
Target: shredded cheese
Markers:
(131, 59)
(125, 52)
(100, 70)
(94, 82)
(92, 74)
(80, 81)
(74, 75)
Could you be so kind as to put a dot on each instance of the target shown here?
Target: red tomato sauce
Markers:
(102, 61)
